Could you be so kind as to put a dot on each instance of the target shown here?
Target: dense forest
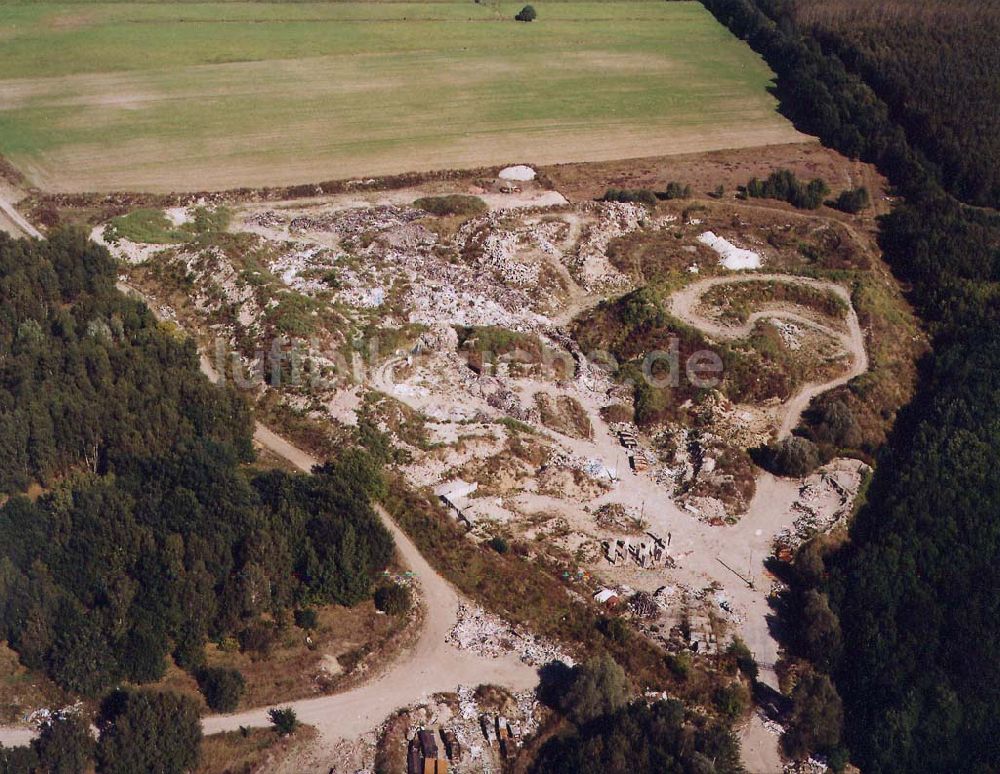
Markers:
(935, 64)
(149, 536)
(905, 616)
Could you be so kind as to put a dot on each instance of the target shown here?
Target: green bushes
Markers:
(222, 687)
(643, 737)
(794, 456)
(284, 720)
(598, 687)
(306, 619)
(393, 599)
(499, 544)
(453, 204)
(783, 185)
(852, 200)
(630, 196)
(148, 731)
(526, 14)
(675, 190)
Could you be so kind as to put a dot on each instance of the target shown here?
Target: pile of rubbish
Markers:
(825, 500)
(589, 264)
(490, 636)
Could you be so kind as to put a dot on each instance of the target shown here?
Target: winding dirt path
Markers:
(684, 306)
(430, 666)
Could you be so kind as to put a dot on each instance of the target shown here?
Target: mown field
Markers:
(177, 95)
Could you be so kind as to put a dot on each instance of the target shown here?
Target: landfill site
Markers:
(459, 319)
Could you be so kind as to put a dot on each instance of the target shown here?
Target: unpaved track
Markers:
(429, 666)
(12, 221)
(684, 303)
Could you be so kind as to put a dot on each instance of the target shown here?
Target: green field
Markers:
(178, 95)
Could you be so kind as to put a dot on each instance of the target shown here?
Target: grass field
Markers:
(182, 96)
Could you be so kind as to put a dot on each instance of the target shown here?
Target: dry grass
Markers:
(565, 415)
(346, 646)
(236, 752)
(155, 96)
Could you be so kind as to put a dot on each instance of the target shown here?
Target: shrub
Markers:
(393, 599)
(615, 629)
(222, 687)
(454, 204)
(731, 700)
(599, 687)
(499, 544)
(257, 639)
(745, 661)
(630, 196)
(675, 190)
(306, 619)
(784, 186)
(853, 200)
(526, 14)
(284, 720)
(795, 456)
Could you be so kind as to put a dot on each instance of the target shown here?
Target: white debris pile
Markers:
(125, 250)
(291, 265)
(826, 499)
(730, 256)
(358, 221)
(499, 249)
(268, 219)
(813, 765)
(491, 636)
(589, 263)
(519, 172)
(593, 467)
(790, 333)
(44, 715)
(178, 216)
(742, 426)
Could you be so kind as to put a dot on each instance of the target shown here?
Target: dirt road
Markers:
(12, 221)
(683, 305)
(429, 667)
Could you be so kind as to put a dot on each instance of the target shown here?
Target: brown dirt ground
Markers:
(704, 171)
(234, 752)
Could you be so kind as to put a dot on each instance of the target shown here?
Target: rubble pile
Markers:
(741, 426)
(826, 499)
(510, 404)
(496, 251)
(791, 334)
(354, 223)
(589, 263)
(488, 635)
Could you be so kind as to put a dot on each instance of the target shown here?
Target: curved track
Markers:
(684, 303)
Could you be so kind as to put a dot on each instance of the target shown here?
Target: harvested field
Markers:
(174, 96)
